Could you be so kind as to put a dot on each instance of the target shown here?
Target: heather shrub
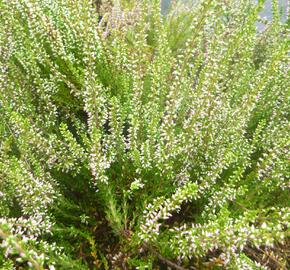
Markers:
(134, 140)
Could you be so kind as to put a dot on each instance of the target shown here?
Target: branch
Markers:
(164, 260)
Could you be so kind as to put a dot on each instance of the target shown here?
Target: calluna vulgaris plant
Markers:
(135, 140)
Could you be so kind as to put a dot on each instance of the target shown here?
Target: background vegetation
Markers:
(133, 140)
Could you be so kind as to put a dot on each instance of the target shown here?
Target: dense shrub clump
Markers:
(134, 140)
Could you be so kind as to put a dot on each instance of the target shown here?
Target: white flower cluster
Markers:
(161, 208)
(230, 235)
(189, 109)
(21, 236)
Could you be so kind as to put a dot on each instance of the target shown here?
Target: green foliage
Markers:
(134, 140)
